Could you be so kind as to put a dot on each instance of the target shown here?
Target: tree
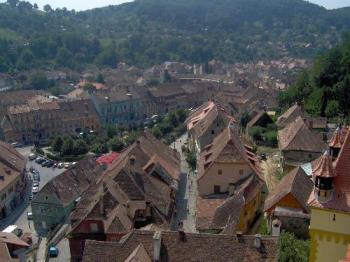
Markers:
(36, 6)
(111, 131)
(57, 144)
(116, 144)
(166, 77)
(13, 3)
(48, 8)
(80, 147)
(245, 118)
(68, 146)
(291, 249)
(39, 81)
(256, 132)
(181, 115)
(156, 132)
(100, 79)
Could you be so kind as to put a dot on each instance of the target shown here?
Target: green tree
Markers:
(245, 118)
(181, 115)
(256, 132)
(68, 146)
(111, 131)
(116, 144)
(13, 3)
(271, 138)
(100, 79)
(57, 144)
(291, 249)
(80, 147)
(332, 109)
(48, 8)
(38, 80)
(156, 132)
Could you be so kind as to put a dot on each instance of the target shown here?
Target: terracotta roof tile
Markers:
(193, 247)
(296, 183)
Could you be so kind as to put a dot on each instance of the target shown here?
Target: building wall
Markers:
(249, 213)
(287, 201)
(292, 157)
(12, 195)
(330, 235)
(230, 174)
(48, 212)
(213, 131)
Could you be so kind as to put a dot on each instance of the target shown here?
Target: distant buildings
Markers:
(13, 179)
(56, 200)
(147, 246)
(230, 185)
(42, 118)
(330, 205)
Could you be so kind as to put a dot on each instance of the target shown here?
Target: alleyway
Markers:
(187, 192)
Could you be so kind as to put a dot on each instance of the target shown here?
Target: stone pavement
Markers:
(187, 192)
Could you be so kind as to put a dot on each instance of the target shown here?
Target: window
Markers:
(93, 227)
(217, 189)
(42, 210)
(219, 172)
(310, 156)
(241, 171)
(212, 132)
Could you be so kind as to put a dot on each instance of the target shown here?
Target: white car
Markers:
(35, 189)
(36, 183)
(60, 165)
(32, 157)
(66, 165)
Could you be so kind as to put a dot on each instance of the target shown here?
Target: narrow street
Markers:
(187, 192)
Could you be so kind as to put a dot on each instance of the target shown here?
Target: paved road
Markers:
(64, 252)
(187, 192)
(19, 216)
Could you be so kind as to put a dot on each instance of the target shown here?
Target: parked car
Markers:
(35, 189)
(39, 160)
(29, 215)
(36, 183)
(55, 165)
(53, 252)
(30, 196)
(49, 163)
(45, 163)
(60, 165)
(36, 177)
(66, 165)
(31, 157)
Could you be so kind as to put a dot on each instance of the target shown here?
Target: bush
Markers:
(256, 132)
(191, 159)
(292, 249)
(116, 144)
(271, 138)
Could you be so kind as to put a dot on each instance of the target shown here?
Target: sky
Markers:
(88, 4)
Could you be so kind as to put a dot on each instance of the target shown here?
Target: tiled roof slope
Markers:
(296, 183)
(297, 136)
(340, 200)
(192, 247)
(290, 115)
(227, 146)
(72, 183)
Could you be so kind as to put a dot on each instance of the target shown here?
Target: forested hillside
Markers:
(146, 32)
(325, 89)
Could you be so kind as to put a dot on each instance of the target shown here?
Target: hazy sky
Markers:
(88, 4)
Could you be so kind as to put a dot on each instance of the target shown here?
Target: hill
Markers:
(146, 32)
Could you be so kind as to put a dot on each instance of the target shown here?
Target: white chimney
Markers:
(276, 228)
(157, 241)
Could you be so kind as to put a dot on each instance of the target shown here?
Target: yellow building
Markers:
(229, 185)
(330, 206)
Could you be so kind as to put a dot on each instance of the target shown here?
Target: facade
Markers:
(330, 206)
(137, 190)
(43, 118)
(205, 123)
(164, 246)
(230, 186)
(299, 144)
(13, 179)
(56, 200)
(118, 106)
(287, 204)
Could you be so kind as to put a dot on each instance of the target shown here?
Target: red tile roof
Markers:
(107, 158)
(324, 167)
(341, 197)
(338, 137)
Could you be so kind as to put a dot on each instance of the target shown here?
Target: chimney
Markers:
(157, 241)
(276, 228)
(257, 241)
